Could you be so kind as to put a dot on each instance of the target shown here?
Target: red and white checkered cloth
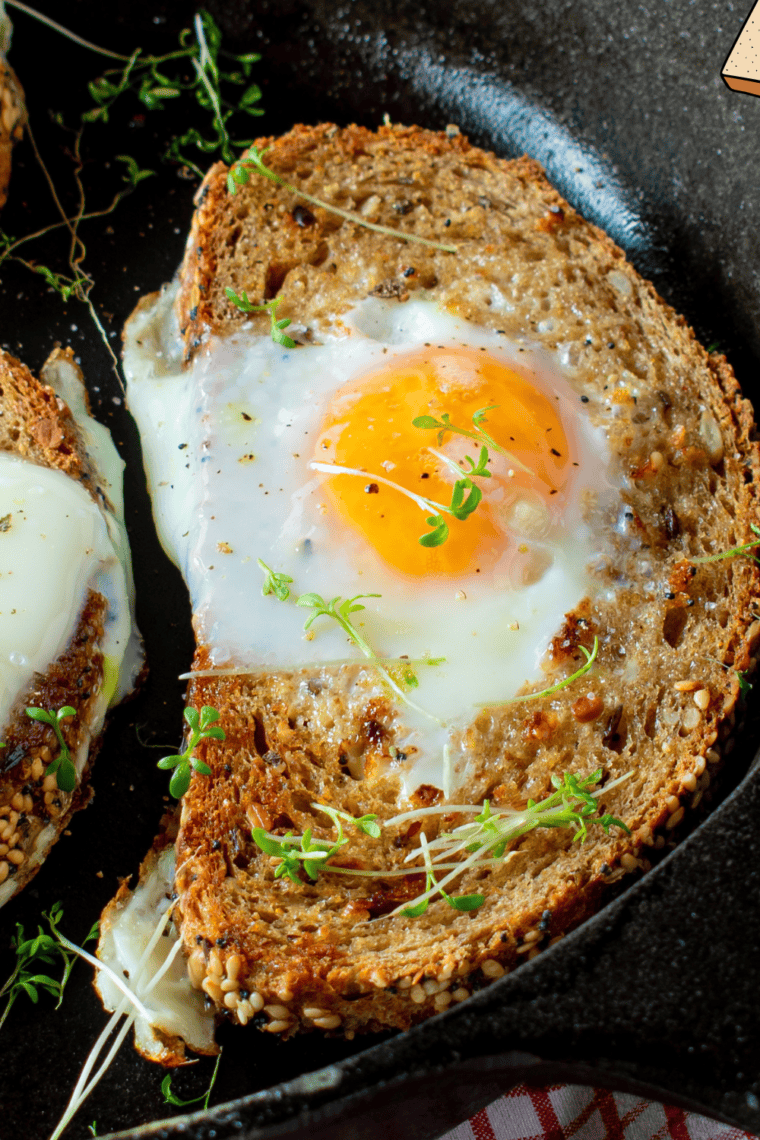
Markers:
(569, 1112)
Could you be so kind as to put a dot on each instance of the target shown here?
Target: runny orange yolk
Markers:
(368, 427)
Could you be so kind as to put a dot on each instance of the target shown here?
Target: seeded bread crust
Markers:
(661, 702)
(12, 119)
(38, 426)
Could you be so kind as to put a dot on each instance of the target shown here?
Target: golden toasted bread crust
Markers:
(12, 119)
(661, 703)
(38, 426)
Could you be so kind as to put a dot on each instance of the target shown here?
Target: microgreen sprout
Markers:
(294, 852)
(572, 805)
(275, 328)
(465, 497)
(444, 425)
(483, 842)
(240, 172)
(432, 887)
(170, 1098)
(590, 659)
(129, 1008)
(340, 611)
(35, 954)
(61, 765)
(274, 582)
(743, 548)
(202, 727)
(366, 823)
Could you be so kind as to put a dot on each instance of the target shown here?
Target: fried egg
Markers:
(309, 460)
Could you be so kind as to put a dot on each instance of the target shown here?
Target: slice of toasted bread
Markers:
(741, 71)
(674, 631)
(52, 451)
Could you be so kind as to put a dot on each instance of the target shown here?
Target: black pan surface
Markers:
(625, 107)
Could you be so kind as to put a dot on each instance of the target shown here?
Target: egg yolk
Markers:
(368, 428)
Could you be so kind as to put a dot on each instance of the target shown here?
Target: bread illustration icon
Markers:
(741, 71)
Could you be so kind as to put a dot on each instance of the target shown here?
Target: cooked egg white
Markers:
(307, 458)
(57, 544)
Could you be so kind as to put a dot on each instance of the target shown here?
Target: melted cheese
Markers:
(175, 1007)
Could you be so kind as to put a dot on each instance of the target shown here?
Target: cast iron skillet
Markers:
(625, 108)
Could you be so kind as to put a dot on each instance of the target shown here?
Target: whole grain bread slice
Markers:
(39, 427)
(674, 633)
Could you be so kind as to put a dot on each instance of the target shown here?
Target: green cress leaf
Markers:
(465, 902)
(438, 535)
(274, 583)
(241, 301)
(202, 726)
(42, 950)
(170, 1098)
(415, 911)
(61, 765)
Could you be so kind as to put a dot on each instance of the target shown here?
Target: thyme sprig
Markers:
(240, 173)
(220, 84)
(33, 956)
(61, 765)
(202, 727)
(484, 841)
(590, 659)
(275, 328)
(744, 548)
(148, 77)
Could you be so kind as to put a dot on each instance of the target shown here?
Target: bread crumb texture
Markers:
(661, 701)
